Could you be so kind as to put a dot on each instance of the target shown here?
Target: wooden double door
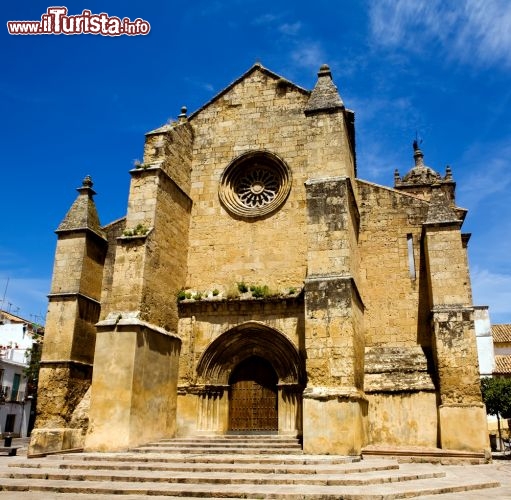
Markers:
(253, 396)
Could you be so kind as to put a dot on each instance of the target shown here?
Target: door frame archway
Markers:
(226, 352)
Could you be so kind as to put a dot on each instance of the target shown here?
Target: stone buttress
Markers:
(334, 405)
(137, 347)
(74, 308)
(462, 416)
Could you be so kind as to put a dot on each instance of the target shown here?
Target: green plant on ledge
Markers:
(242, 287)
(259, 292)
(181, 295)
(215, 292)
(138, 230)
(139, 164)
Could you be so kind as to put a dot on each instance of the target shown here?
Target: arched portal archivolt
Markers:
(245, 342)
(250, 339)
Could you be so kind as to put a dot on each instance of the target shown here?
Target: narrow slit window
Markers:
(411, 260)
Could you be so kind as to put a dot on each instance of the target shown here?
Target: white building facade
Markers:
(17, 336)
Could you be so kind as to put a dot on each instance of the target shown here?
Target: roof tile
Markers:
(501, 333)
(502, 365)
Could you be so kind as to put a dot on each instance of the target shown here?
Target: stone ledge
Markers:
(329, 393)
(71, 295)
(186, 307)
(118, 319)
(425, 454)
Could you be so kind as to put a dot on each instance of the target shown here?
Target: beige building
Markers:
(257, 284)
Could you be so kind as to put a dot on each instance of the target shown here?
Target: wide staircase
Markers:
(250, 466)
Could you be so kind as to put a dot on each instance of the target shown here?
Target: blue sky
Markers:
(77, 105)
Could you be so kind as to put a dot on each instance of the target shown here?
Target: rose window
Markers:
(258, 188)
(255, 184)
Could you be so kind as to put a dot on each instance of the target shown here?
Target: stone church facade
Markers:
(256, 284)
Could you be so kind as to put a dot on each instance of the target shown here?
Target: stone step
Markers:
(187, 477)
(387, 491)
(220, 450)
(51, 495)
(223, 444)
(231, 442)
(212, 458)
(231, 470)
(282, 468)
(236, 437)
(234, 444)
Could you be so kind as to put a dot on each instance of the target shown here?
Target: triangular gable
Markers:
(255, 67)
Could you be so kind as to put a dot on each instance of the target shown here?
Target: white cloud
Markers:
(25, 297)
(489, 172)
(200, 84)
(308, 55)
(471, 31)
(266, 19)
(492, 289)
(290, 29)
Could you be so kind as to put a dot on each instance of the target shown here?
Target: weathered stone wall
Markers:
(447, 266)
(63, 387)
(203, 322)
(150, 266)
(403, 419)
(166, 256)
(171, 149)
(329, 153)
(332, 228)
(456, 356)
(112, 231)
(134, 382)
(402, 396)
(396, 312)
(254, 115)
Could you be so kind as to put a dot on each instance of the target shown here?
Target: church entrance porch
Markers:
(253, 397)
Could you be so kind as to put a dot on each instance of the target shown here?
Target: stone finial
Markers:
(83, 213)
(86, 187)
(418, 155)
(324, 70)
(397, 177)
(324, 96)
(448, 173)
(183, 117)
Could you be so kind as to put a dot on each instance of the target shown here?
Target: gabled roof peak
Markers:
(257, 66)
(83, 213)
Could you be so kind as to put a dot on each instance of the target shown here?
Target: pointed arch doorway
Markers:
(255, 369)
(253, 398)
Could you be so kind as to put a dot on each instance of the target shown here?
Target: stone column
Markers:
(290, 409)
(212, 414)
